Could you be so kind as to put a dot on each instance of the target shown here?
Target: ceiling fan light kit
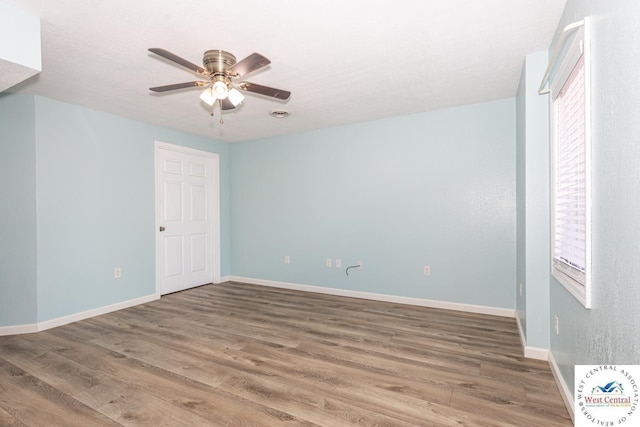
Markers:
(222, 72)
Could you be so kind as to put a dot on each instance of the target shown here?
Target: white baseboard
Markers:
(565, 391)
(17, 330)
(225, 279)
(536, 353)
(495, 311)
(530, 352)
(523, 339)
(94, 312)
(543, 354)
(48, 324)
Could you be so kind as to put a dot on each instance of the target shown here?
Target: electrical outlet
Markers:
(427, 270)
(338, 263)
(327, 262)
(287, 260)
(117, 272)
(556, 324)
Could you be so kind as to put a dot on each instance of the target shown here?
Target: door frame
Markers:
(214, 184)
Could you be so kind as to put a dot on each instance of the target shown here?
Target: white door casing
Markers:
(187, 218)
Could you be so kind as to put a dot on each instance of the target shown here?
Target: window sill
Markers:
(578, 290)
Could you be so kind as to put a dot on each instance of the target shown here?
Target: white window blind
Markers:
(571, 178)
(570, 245)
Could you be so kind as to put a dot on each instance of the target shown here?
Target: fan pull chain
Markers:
(213, 109)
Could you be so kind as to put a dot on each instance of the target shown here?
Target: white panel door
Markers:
(186, 218)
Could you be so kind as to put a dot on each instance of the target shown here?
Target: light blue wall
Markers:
(533, 204)
(608, 333)
(521, 211)
(381, 192)
(94, 185)
(435, 188)
(18, 300)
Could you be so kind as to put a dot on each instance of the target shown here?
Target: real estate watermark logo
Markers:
(607, 395)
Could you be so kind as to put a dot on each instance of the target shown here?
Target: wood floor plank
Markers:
(239, 354)
(34, 402)
(210, 403)
(8, 420)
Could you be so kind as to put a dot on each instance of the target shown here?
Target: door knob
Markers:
(162, 228)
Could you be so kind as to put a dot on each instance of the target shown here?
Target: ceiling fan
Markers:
(223, 74)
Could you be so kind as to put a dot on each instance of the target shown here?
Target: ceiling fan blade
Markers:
(177, 86)
(225, 104)
(251, 63)
(175, 58)
(265, 90)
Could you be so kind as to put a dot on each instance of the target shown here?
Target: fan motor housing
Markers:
(218, 61)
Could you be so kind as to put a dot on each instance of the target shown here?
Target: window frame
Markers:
(576, 52)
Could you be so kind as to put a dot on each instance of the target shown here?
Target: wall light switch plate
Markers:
(287, 260)
(327, 262)
(338, 263)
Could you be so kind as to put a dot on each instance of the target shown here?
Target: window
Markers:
(570, 193)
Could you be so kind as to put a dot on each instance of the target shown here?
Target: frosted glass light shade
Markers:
(220, 90)
(235, 97)
(207, 96)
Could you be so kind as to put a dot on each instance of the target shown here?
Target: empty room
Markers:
(304, 213)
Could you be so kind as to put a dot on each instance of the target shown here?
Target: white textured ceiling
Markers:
(344, 61)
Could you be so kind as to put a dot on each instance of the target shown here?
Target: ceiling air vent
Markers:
(280, 114)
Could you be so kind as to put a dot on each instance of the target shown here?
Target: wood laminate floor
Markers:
(244, 355)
